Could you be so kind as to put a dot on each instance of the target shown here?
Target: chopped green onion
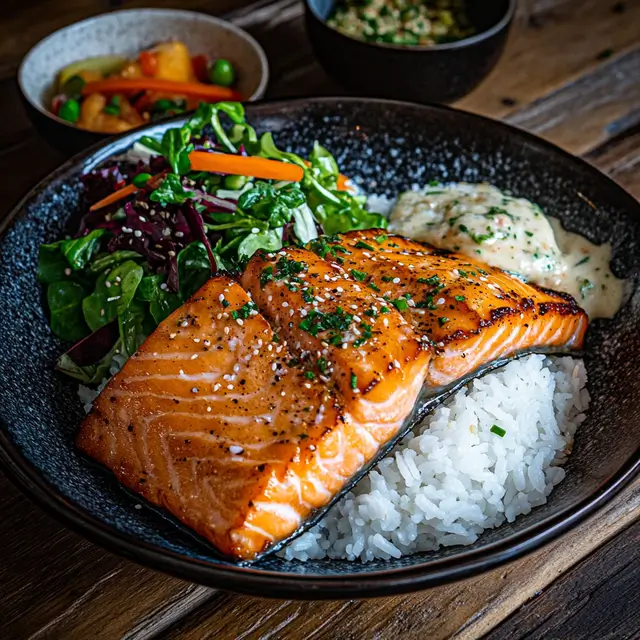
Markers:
(354, 381)
(499, 431)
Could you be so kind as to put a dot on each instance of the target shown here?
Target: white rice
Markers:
(453, 477)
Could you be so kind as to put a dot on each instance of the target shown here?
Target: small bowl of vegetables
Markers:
(121, 70)
(419, 50)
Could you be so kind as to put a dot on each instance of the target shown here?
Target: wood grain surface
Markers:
(571, 73)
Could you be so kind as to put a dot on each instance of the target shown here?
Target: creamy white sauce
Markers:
(513, 234)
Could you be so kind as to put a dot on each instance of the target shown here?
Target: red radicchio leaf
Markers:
(199, 233)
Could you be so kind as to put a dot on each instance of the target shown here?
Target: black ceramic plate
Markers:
(386, 146)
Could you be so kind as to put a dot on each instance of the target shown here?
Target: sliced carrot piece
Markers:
(114, 197)
(120, 194)
(251, 166)
(210, 92)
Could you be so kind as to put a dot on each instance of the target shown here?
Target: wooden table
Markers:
(571, 73)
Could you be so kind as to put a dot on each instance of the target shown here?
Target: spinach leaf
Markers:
(110, 300)
(161, 301)
(52, 265)
(194, 269)
(270, 240)
(176, 149)
(131, 324)
(171, 191)
(110, 260)
(78, 251)
(272, 205)
(65, 303)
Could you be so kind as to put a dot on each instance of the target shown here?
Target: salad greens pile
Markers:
(132, 262)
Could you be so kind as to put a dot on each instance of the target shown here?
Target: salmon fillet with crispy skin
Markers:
(213, 420)
(472, 313)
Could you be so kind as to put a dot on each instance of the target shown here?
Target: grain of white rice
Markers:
(453, 477)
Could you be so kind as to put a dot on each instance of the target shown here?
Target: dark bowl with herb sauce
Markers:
(388, 67)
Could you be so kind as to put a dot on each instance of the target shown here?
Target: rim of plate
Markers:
(252, 580)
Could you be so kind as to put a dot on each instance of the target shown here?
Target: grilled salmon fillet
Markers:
(214, 420)
(335, 325)
(470, 312)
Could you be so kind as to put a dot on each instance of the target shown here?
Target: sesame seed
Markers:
(67, 271)
(164, 286)
(226, 331)
(312, 447)
(171, 253)
(255, 230)
(303, 312)
(137, 233)
(240, 321)
(196, 339)
(166, 232)
(172, 336)
(235, 449)
(194, 356)
(216, 386)
(285, 304)
(113, 298)
(396, 281)
(357, 318)
(179, 234)
(194, 389)
(107, 284)
(184, 323)
(142, 219)
(230, 387)
(209, 409)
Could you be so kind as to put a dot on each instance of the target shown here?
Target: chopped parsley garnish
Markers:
(366, 334)
(225, 302)
(387, 279)
(463, 274)
(385, 310)
(373, 286)
(443, 321)
(245, 311)
(400, 304)
(266, 276)
(363, 245)
(354, 381)
(381, 239)
(361, 276)
(459, 298)
(529, 233)
(499, 431)
(322, 248)
(432, 281)
(323, 365)
(317, 321)
(309, 375)
(288, 267)
(583, 261)
(585, 287)
(307, 295)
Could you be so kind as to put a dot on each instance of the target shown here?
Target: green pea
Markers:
(70, 111)
(141, 179)
(235, 182)
(222, 73)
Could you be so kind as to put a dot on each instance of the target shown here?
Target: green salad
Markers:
(170, 213)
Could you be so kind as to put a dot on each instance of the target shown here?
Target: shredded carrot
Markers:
(134, 85)
(342, 180)
(114, 197)
(120, 194)
(251, 166)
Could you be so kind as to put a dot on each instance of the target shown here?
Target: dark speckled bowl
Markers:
(440, 73)
(386, 146)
